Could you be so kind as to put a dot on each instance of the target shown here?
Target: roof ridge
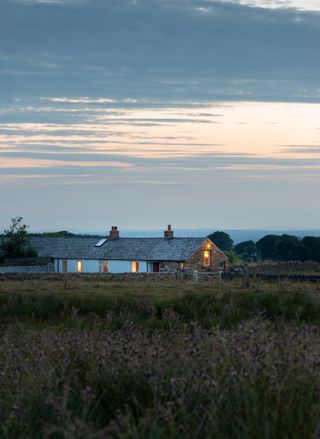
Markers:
(120, 238)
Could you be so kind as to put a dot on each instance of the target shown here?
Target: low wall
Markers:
(27, 265)
(290, 267)
(49, 268)
(272, 277)
(126, 277)
(26, 262)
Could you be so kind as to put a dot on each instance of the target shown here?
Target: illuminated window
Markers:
(134, 266)
(206, 258)
(103, 266)
(79, 266)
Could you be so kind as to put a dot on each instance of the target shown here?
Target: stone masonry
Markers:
(218, 260)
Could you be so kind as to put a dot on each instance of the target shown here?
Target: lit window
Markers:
(79, 266)
(135, 266)
(206, 258)
(103, 266)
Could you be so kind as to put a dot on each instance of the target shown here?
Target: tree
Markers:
(247, 251)
(16, 242)
(233, 257)
(312, 245)
(265, 246)
(289, 248)
(59, 234)
(222, 240)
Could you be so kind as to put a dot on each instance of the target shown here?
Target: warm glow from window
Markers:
(79, 266)
(135, 266)
(206, 258)
(103, 266)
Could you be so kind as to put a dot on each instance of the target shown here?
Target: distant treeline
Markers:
(59, 234)
(270, 247)
(63, 234)
(281, 248)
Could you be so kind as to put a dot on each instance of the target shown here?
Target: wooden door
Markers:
(156, 267)
(65, 266)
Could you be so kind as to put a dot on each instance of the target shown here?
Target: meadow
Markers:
(89, 358)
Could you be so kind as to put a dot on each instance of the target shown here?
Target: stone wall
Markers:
(217, 258)
(189, 275)
(24, 262)
(49, 268)
(271, 277)
(293, 267)
(27, 265)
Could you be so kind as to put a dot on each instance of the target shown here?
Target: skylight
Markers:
(101, 242)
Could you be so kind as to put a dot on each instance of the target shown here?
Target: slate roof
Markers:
(141, 249)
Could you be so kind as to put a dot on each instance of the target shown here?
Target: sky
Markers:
(140, 113)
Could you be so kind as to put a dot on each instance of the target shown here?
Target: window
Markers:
(103, 266)
(79, 266)
(206, 258)
(135, 266)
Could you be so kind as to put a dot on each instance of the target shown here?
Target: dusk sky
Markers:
(140, 113)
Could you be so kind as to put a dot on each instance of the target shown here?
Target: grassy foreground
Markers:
(94, 359)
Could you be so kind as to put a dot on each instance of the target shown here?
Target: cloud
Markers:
(304, 5)
(302, 149)
(54, 2)
(29, 162)
(141, 50)
(83, 100)
(156, 132)
(159, 102)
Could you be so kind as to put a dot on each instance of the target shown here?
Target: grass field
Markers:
(96, 359)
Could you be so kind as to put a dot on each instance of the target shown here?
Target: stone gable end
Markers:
(218, 260)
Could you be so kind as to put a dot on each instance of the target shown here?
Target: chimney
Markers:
(168, 234)
(114, 233)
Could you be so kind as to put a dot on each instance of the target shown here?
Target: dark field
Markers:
(95, 359)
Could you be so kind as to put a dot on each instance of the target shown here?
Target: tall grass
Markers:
(225, 363)
(256, 380)
(222, 308)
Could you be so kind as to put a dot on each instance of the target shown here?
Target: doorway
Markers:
(64, 266)
(156, 267)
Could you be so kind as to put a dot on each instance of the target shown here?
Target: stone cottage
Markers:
(114, 254)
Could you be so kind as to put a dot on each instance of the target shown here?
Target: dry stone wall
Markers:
(27, 265)
(188, 275)
(27, 269)
(278, 267)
